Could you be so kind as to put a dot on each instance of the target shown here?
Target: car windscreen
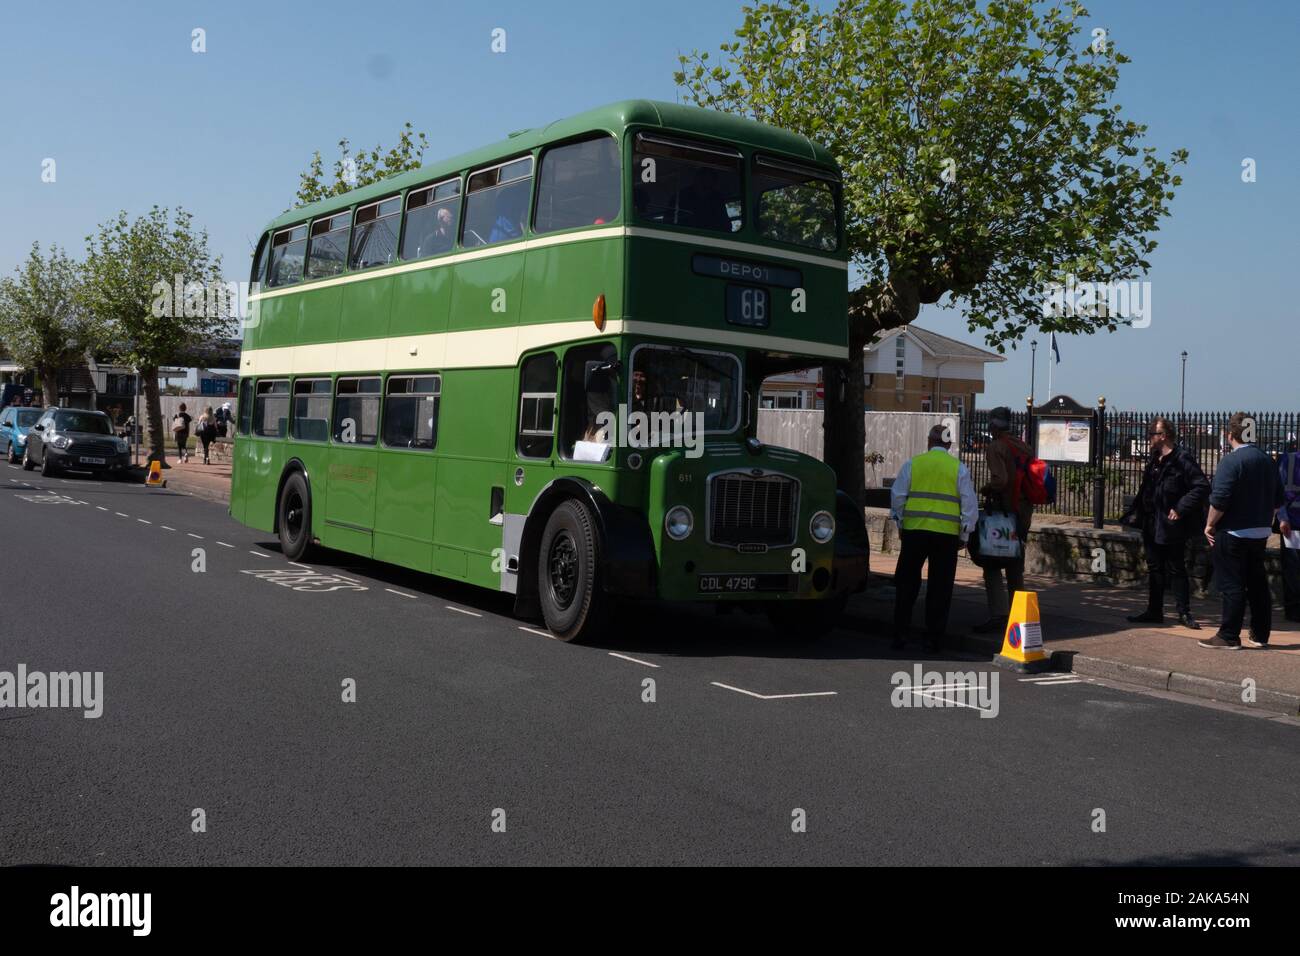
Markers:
(685, 380)
(86, 423)
(27, 417)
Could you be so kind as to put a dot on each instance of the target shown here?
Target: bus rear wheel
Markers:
(568, 574)
(293, 517)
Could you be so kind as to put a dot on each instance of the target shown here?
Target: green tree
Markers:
(131, 270)
(360, 169)
(42, 321)
(982, 153)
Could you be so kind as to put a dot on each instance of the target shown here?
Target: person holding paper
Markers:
(1166, 509)
(1288, 522)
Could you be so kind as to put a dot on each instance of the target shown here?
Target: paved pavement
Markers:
(223, 692)
(1084, 626)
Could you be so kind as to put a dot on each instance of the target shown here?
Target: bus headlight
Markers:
(822, 527)
(679, 522)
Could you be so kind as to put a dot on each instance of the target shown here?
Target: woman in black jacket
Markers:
(1168, 509)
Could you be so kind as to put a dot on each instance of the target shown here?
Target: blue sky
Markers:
(132, 117)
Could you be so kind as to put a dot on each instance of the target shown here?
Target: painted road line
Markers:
(121, 515)
(402, 594)
(1041, 677)
(1054, 683)
(166, 528)
(224, 545)
(531, 630)
(260, 554)
(461, 610)
(142, 521)
(632, 659)
(929, 692)
(193, 535)
(101, 507)
(750, 693)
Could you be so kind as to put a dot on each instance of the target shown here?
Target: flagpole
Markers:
(1051, 364)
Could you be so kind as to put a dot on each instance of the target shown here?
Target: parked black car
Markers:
(75, 439)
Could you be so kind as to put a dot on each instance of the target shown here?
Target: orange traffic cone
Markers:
(155, 479)
(1022, 644)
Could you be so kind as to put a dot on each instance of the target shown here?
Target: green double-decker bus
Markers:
(536, 368)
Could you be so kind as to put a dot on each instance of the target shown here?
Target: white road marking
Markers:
(928, 692)
(741, 690)
(121, 515)
(461, 610)
(1030, 680)
(101, 507)
(401, 594)
(538, 633)
(142, 521)
(632, 659)
(193, 535)
(1054, 683)
(260, 554)
(166, 528)
(224, 545)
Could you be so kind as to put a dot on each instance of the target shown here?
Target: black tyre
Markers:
(47, 466)
(13, 454)
(811, 619)
(568, 574)
(28, 464)
(293, 517)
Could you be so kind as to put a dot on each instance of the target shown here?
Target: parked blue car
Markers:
(15, 422)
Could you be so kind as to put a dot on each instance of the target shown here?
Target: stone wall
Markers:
(1070, 552)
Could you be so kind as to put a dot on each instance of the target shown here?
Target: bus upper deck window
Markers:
(327, 254)
(679, 183)
(496, 203)
(579, 185)
(288, 252)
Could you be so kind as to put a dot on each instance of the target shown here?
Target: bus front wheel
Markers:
(294, 517)
(568, 577)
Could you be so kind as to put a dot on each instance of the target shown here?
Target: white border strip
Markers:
(541, 242)
(491, 348)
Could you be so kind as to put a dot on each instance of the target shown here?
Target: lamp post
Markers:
(1182, 394)
(1033, 369)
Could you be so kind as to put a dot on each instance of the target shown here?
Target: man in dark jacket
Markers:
(1167, 510)
(1243, 501)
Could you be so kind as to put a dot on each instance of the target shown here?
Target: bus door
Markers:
(408, 471)
(353, 465)
(532, 462)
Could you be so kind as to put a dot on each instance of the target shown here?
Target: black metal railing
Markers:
(1124, 452)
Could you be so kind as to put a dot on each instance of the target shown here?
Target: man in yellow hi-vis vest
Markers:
(933, 501)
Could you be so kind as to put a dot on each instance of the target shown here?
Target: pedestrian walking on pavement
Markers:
(206, 431)
(1007, 458)
(1244, 499)
(933, 502)
(1167, 509)
(181, 431)
(1288, 522)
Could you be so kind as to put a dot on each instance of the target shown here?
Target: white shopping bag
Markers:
(998, 538)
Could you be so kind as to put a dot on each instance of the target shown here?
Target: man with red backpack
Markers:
(1008, 461)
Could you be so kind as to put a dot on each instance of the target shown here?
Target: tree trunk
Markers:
(153, 414)
(843, 427)
(49, 376)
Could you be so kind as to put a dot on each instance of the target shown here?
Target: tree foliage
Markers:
(127, 263)
(982, 151)
(42, 322)
(360, 169)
